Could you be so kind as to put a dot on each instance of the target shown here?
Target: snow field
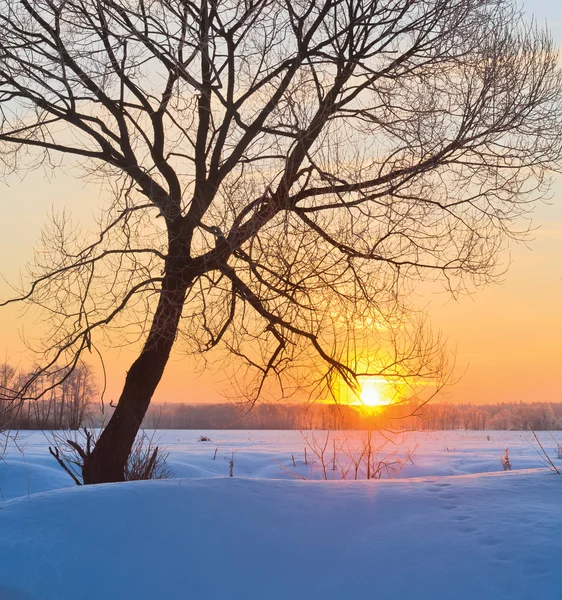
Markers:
(452, 526)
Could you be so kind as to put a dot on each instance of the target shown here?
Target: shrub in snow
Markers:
(504, 459)
(146, 461)
(365, 458)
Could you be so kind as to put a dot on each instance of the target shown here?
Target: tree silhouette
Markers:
(277, 169)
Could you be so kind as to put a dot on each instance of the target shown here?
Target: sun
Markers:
(371, 394)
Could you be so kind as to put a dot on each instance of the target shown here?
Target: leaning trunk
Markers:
(106, 462)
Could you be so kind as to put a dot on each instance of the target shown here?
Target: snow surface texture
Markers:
(453, 526)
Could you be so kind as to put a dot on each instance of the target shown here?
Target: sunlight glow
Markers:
(371, 393)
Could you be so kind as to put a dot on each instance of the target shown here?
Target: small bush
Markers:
(504, 459)
(367, 458)
(146, 461)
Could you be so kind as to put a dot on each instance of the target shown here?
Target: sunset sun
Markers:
(371, 393)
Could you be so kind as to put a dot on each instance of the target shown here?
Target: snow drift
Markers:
(487, 536)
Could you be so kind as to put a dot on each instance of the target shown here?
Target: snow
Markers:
(452, 525)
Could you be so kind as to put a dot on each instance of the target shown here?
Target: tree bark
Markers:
(106, 463)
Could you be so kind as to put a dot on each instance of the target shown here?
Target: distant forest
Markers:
(538, 416)
(70, 409)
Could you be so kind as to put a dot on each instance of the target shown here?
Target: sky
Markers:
(506, 338)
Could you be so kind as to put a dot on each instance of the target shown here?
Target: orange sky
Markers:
(508, 337)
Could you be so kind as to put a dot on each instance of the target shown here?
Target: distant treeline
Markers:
(73, 404)
(517, 416)
(510, 416)
(65, 406)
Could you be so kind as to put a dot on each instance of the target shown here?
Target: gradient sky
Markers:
(507, 337)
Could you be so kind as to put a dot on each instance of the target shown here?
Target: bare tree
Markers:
(281, 171)
(8, 394)
(63, 406)
(77, 396)
(8, 404)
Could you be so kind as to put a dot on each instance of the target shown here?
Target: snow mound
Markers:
(470, 537)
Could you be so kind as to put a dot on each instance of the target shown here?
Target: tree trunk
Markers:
(107, 461)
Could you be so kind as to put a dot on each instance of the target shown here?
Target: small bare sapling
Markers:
(558, 446)
(504, 459)
(216, 450)
(544, 456)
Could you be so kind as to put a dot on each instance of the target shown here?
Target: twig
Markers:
(548, 459)
(56, 455)
(25, 465)
(290, 471)
(216, 450)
